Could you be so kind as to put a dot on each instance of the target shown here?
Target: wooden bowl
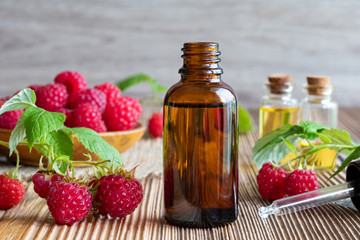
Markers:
(121, 140)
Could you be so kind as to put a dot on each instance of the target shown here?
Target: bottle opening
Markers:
(279, 84)
(201, 60)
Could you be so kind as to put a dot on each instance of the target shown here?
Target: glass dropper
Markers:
(310, 199)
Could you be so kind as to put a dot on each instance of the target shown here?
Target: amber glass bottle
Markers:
(200, 143)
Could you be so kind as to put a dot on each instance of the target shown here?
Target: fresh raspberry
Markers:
(73, 81)
(271, 182)
(52, 97)
(67, 113)
(4, 99)
(156, 125)
(92, 96)
(43, 182)
(117, 195)
(122, 114)
(12, 192)
(86, 115)
(35, 87)
(69, 202)
(112, 92)
(9, 119)
(301, 181)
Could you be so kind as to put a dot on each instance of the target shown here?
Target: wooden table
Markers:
(32, 220)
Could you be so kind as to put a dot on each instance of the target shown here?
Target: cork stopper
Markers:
(319, 85)
(318, 80)
(279, 78)
(279, 83)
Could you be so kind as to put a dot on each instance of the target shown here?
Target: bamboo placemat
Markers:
(32, 220)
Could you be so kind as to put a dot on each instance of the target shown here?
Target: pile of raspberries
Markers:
(101, 108)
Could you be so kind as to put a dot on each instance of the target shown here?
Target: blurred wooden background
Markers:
(109, 40)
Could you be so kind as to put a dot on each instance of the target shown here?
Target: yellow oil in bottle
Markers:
(321, 160)
(272, 118)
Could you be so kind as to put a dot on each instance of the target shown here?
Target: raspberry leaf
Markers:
(312, 127)
(276, 136)
(39, 122)
(140, 78)
(271, 146)
(354, 155)
(24, 99)
(274, 152)
(245, 121)
(61, 143)
(17, 135)
(290, 146)
(94, 143)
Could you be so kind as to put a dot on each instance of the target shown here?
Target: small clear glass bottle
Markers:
(200, 143)
(277, 108)
(319, 107)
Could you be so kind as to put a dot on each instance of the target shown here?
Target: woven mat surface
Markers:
(32, 220)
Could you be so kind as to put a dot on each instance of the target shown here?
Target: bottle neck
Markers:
(279, 91)
(279, 96)
(318, 94)
(201, 62)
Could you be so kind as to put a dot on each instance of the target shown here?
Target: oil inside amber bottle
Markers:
(200, 143)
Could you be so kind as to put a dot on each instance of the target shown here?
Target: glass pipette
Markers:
(309, 200)
(319, 197)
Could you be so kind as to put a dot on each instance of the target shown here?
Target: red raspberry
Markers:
(301, 181)
(122, 114)
(112, 92)
(9, 119)
(35, 87)
(67, 113)
(86, 115)
(271, 182)
(43, 183)
(73, 81)
(52, 97)
(69, 202)
(4, 99)
(156, 125)
(12, 192)
(118, 196)
(92, 96)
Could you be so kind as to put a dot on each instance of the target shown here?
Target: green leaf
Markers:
(312, 127)
(337, 136)
(140, 78)
(274, 152)
(94, 143)
(61, 142)
(24, 99)
(39, 122)
(17, 135)
(290, 146)
(276, 137)
(245, 121)
(354, 155)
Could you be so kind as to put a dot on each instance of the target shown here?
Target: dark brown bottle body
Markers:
(200, 143)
